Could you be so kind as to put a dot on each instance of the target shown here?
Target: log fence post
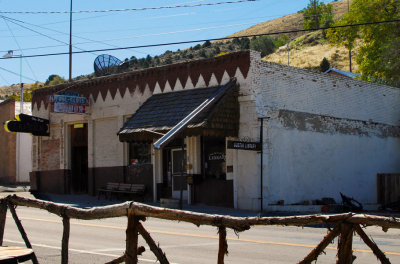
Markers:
(65, 240)
(223, 244)
(378, 253)
(345, 244)
(313, 255)
(3, 216)
(21, 230)
(153, 246)
(131, 238)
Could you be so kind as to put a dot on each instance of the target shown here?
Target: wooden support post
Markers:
(153, 247)
(19, 226)
(345, 250)
(3, 215)
(223, 244)
(65, 240)
(21, 230)
(321, 246)
(378, 253)
(131, 238)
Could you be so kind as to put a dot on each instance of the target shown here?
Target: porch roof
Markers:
(162, 112)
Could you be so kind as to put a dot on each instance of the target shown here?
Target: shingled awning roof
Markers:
(162, 112)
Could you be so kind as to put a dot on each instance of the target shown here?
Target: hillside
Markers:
(13, 89)
(306, 50)
(289, 23)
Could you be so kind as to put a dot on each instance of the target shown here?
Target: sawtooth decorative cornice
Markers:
(150, 77)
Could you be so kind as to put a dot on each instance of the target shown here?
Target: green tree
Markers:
(283, 40)
(379, 53)
(317, 14)
(324, 65)
(197, 47)
(54, 79)
(207, 44)
(263, 44)
(244, 43)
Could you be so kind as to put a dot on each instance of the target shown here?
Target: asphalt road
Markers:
(103, 240)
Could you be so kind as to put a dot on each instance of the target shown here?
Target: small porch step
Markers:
(169, 203)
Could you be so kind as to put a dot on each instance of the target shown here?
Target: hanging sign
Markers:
(255, 146)
(28, 124)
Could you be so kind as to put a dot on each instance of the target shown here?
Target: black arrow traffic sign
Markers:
(28, 124)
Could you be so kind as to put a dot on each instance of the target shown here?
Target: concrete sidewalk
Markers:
(86, 201)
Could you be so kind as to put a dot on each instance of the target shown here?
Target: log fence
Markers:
(344, 226)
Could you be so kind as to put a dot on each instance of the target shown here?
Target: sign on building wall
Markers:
(68, 102)
(255, 146)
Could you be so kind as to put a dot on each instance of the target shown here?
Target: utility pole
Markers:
(288, 54)
(316, 18)
(348, 10)
(70, 43)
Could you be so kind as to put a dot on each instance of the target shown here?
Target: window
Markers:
(139, 153)
(214, 151)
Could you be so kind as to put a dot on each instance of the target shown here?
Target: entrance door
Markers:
(79, 158)
(172, 166)
(179, 181)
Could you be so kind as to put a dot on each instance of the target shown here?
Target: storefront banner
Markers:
(69, 108)
(69, 99)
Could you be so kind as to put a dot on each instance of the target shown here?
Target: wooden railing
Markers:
(344, 225)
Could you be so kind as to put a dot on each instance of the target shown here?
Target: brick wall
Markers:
(296, 89)
(49, 155)
(8, 144)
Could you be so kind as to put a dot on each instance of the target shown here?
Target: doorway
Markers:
(79, 158)
(173, 181)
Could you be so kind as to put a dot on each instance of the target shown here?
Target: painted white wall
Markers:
(24, 147)
(108, 150)
(24, 157)
(305, 165)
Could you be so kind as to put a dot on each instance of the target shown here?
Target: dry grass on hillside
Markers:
(310, 57)
(14, 89)
(289, 22)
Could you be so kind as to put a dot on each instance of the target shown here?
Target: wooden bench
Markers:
(16, 255)
(131, 189)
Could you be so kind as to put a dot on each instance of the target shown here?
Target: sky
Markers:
(42, 27)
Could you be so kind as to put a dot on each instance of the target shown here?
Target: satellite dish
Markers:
(106, 64)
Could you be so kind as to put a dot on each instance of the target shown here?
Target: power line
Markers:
(17, 74)
(20, 50)
(105, 40)
(126, 9)
(211, 39)
(37, 32)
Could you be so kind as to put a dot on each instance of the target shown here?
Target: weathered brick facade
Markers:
(8, 144)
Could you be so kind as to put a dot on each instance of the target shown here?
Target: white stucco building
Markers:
(320, 135)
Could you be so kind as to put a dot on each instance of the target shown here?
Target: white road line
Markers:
(96, 252)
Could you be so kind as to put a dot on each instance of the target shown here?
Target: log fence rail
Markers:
(344, 226)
